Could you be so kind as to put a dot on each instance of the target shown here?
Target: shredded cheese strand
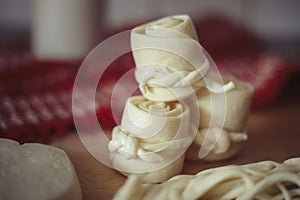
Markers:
(261, 181)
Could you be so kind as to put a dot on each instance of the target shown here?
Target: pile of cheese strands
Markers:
(262, 181)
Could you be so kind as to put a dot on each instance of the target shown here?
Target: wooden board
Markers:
(273, 135)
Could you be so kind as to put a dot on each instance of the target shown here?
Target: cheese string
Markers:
(130, 147)
(222, 138)
(163, 76)
(261, 181)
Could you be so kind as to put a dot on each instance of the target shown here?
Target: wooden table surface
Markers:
(273, 135)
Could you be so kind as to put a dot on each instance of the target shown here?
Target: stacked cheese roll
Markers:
(221, 128)
(151, 139)
(171, 64)
(157, 128)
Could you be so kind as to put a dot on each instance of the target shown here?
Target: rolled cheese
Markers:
(232, 111)
(36, 171)
(171, 63)
(155, 122)
(167, 37)
(152, 138)
(221, 123)
(169, 59)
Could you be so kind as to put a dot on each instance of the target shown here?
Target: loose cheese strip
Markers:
(219, 144)
(129, 146)
(223, 142)
(263, 181)
(152, 172)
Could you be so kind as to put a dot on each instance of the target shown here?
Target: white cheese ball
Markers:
(36, 171)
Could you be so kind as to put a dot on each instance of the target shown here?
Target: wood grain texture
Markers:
(273, 135)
